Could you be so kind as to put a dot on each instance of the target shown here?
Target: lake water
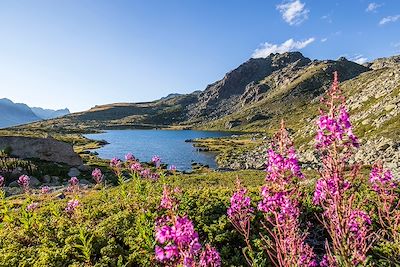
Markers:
(170, 145)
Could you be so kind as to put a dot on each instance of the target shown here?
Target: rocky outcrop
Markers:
(47, 149)
(390, 62)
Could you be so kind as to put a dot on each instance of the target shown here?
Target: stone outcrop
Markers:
(47, 149)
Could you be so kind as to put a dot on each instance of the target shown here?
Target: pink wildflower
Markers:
(115, 163)
(23, 181)
(71, 206)
(74, 181)
(129, 157)
(210, 257)
(156, 160)
(97, 175)
(45, 189)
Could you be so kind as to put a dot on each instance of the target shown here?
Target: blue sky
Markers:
(77, 54)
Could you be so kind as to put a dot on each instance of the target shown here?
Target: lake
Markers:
(170, 145)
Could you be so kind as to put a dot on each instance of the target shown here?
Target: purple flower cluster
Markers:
(156, 160)
(335, 129)
(279, 165)
(177, 241)
(71, 206)
(1, 181)
(359, 224)
(348, 228)
(279, 205)
(115, 163)
(168, 200)
(178, 237)
(329, 187)
(130, 157)
(381, 179)
(45, 189)
(210, 257)
(23, 181)
(97, 175)
(172, 168)
(240, 204)
(136, 167)
(74, 181)
(240, 211)
(146, 173)
(334, 125)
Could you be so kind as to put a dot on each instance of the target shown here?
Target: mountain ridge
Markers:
(13, 114)
(250, 97)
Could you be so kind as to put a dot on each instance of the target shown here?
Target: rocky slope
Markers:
(373, 98)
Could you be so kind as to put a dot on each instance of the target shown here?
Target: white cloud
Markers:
(323, 40)
(372, 7)
(359, 59)
(389, 19)
(293, 12)
(290, 45)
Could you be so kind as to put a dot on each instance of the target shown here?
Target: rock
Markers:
(14, 184)
(55, 180)
(84, 182)
(231, 124)
(47, 149)
(390, 107)
(13, 190)
(34, 182)
(84, 168)
(366, 122)
(47, 179)
(74, 172)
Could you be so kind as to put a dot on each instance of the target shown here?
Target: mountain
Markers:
(14, 113)
(244, 99)
(50, 113)
(261, 92)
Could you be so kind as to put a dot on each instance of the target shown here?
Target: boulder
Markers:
(84, 168)
(74, 172)
(47, 179)
(47, 149)
(34, 182)
(84, 182)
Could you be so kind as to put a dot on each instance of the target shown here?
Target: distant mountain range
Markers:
(12, 114)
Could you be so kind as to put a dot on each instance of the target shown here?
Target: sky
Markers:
(81, 53)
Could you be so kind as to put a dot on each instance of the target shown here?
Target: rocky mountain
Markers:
(291, 77)
(12, 114)
(261, 92)
(49, 113)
